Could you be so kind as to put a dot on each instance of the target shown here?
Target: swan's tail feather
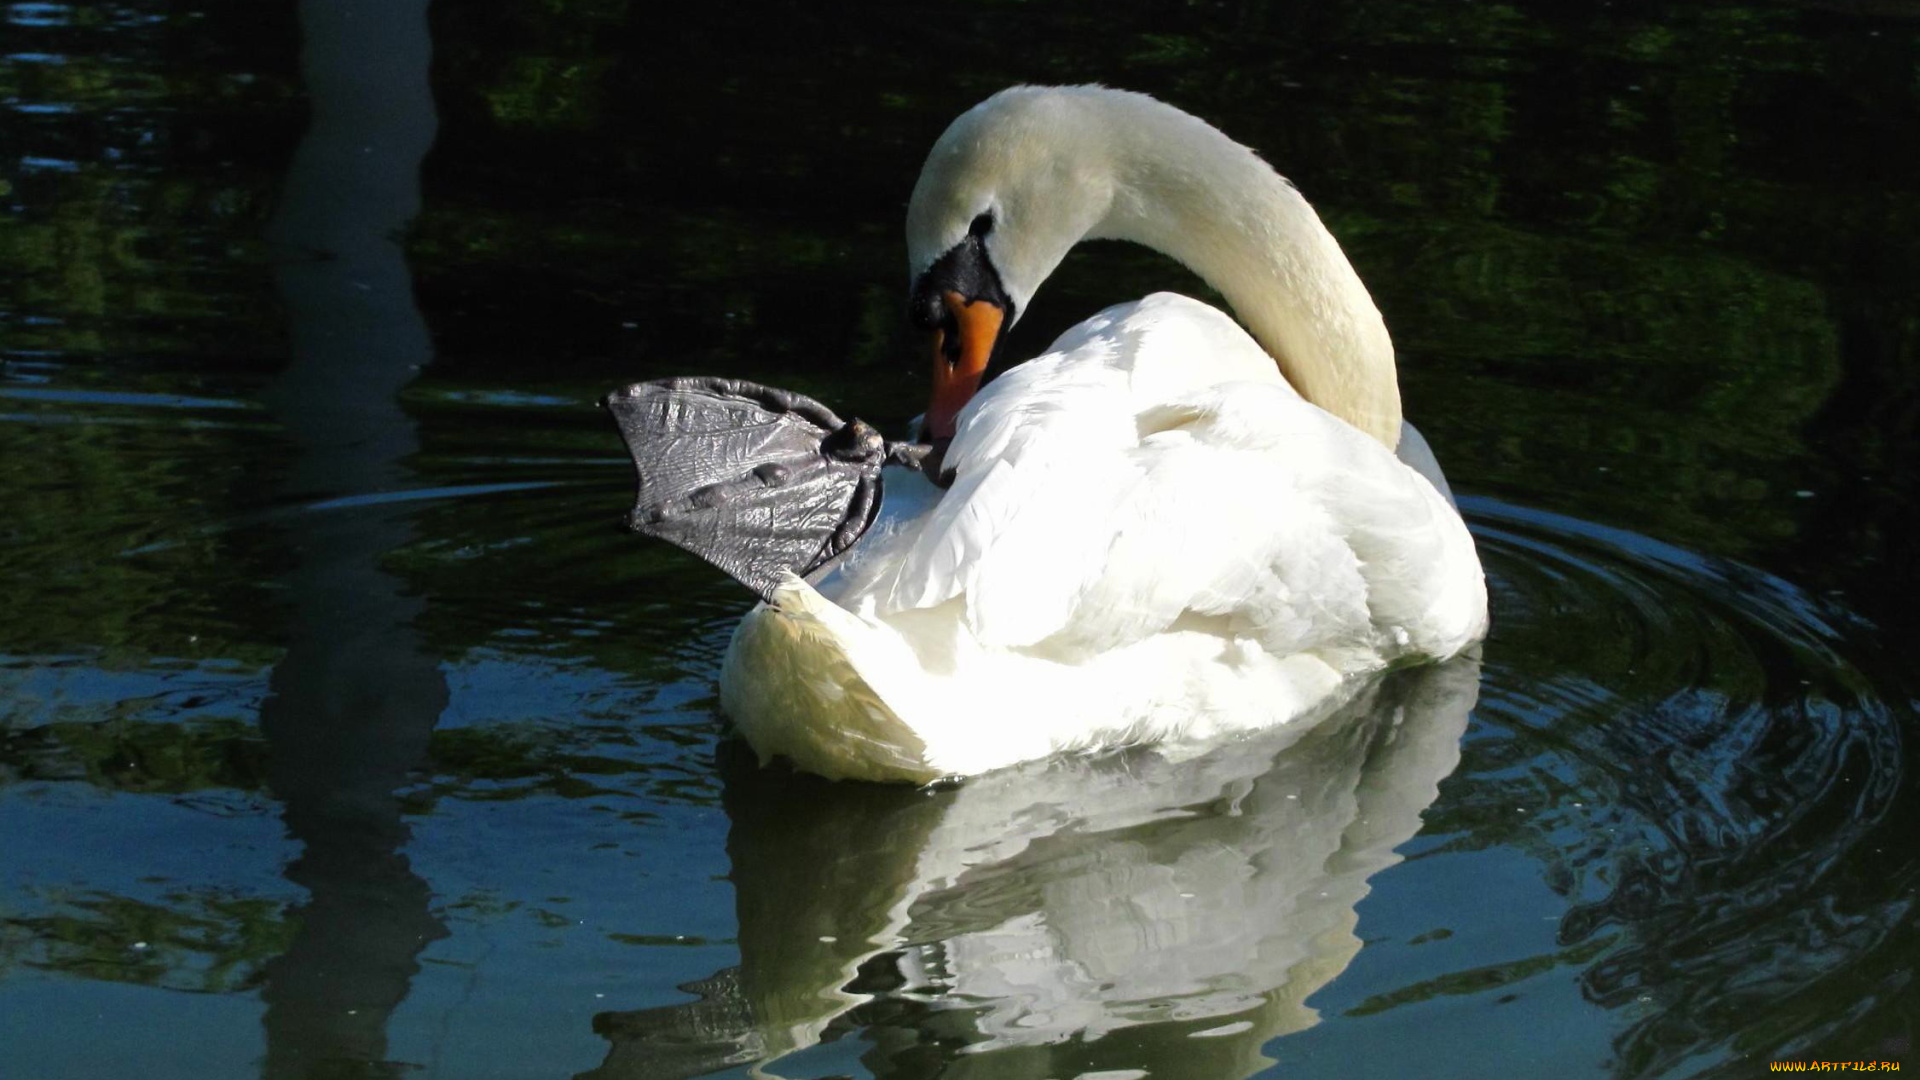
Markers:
(812, 694)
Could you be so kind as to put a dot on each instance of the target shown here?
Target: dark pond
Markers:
(341, 733)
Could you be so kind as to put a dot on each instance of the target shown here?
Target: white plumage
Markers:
(1151, 536)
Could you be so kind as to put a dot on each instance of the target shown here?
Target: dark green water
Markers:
(342, 734)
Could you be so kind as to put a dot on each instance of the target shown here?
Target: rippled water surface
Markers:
(343, 734)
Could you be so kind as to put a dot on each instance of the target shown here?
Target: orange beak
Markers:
(958, 366)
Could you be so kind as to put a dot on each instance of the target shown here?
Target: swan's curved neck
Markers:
(1183, 188)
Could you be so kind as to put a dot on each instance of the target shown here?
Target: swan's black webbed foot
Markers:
(755, 480)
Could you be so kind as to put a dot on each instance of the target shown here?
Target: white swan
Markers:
(1153, 532)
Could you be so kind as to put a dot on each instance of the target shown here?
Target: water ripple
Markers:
(1692, 756)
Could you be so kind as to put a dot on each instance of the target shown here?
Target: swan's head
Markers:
(1010, 187)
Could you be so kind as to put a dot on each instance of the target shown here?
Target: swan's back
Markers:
(1150, 536)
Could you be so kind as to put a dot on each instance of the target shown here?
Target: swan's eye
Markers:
(982, 225)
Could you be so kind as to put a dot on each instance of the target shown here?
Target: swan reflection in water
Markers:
(1006, 926)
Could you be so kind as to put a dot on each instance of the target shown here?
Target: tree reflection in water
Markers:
(353, 701)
